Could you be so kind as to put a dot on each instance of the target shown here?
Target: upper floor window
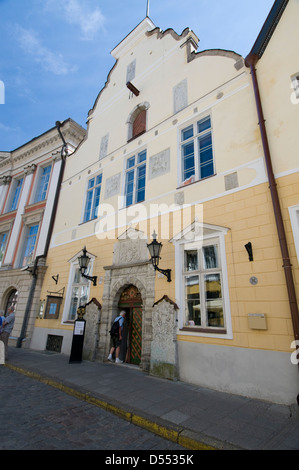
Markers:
(43, 183)
(29, 244)
(137, 120)
(295, 84)
(139, 124)
(197, 151)
(92, 198)
(135, 179)
(15, 194)
(3, 243)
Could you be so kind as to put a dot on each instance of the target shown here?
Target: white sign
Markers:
(79, 327)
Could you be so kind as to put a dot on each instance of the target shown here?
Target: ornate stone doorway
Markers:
(130, 301)
(130, 268)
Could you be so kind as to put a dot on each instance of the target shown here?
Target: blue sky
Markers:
(55, 54)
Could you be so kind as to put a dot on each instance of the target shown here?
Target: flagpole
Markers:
(147, 8)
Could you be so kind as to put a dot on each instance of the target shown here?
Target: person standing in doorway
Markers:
(7, 327)
(116, 336)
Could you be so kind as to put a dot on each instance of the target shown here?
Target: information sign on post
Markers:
(78, 337)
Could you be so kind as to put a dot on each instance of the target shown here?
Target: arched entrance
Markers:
(131, 301)
(12, 300)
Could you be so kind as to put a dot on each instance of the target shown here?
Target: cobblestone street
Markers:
(36, 416)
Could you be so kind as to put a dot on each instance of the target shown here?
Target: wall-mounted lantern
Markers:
(154, 249)
(83, 263)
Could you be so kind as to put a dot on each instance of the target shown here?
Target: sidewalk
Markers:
(195, 417)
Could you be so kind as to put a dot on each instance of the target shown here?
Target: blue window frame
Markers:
(135, 179)
(92, 198)
(43, 184)
(197, 151)
(3, 242)
(16, 194)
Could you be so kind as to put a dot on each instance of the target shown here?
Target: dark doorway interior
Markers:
(130, 301)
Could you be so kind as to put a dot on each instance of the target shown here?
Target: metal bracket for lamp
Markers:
(83, 263)
(154, 249)
(248, 247)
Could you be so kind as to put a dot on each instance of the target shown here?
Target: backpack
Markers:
(115, 328)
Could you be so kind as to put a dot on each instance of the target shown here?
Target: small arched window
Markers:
(139, 124)
(137, 121)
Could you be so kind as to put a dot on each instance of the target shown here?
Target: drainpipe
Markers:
(64, 153)
(250, 62)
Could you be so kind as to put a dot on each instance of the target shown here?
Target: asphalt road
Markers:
(35, 416)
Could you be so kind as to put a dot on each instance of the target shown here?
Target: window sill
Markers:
(194, 329)
(136, 136)
(184, 184)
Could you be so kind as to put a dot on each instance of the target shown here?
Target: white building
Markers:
(30, 178)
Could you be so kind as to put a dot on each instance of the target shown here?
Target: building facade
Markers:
(29, 187)
(173, 146)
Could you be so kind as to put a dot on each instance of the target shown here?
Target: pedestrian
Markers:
(7, 327)
(116, 336)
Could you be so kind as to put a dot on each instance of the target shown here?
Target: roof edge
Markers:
(267, 31)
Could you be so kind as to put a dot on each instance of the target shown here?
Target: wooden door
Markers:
(136, 335)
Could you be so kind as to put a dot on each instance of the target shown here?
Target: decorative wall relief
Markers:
(180, 96)
(112, 186)
(131, 70)
(159, 164)
(163, 361)
(92, 317)
(104, 146)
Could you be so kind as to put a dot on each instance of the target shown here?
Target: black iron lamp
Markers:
(83, 263)
(154, 249)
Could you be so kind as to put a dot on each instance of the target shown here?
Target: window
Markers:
(29, 245)
(203, 286)
(135, 179)
(294, 216)
(92, 198)
(43, 183)
(139, 124)
(295, 84)
(197, 151)
(3, 242)
(79, 293)
(137, 121)
(15, 194)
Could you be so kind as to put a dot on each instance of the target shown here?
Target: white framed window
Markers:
(3, 244)
(196, 151)
(135, 179)
(92, 199)
(42, 183)
(78, 288)
(14, 196)
(294, 216)
(201, 282)
(295, 84)
(203, 291)
(29, 244)
(79, 294)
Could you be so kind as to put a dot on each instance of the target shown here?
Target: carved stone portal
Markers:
(131, 266)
